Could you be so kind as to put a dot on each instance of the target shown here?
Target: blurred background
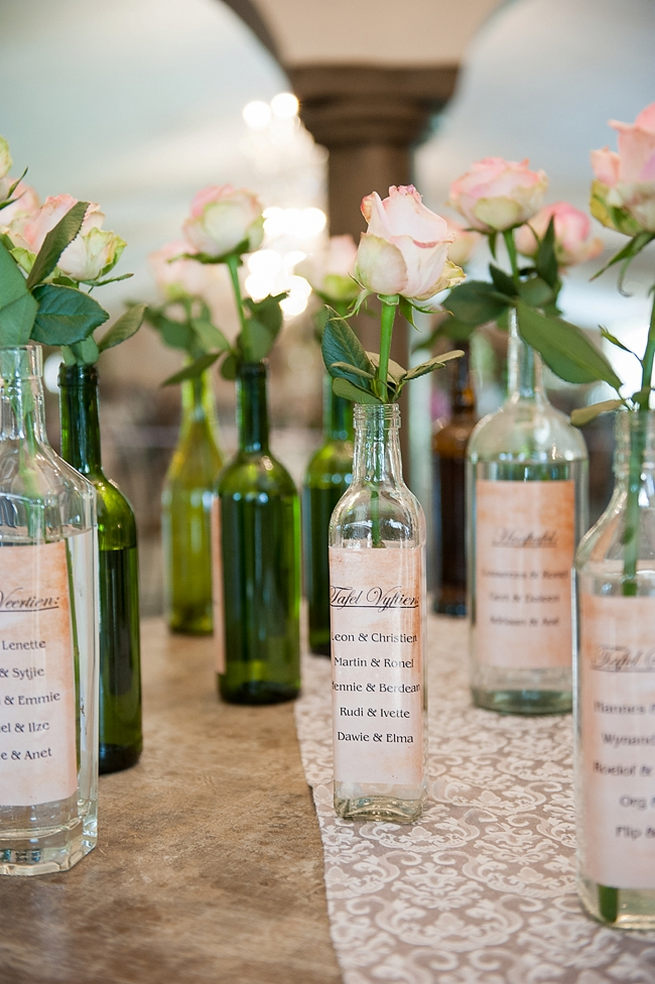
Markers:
(138, 104)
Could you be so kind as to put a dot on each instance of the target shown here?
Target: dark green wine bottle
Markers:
(120, 734)
(259, 513)
(186, 506)
(328, 475)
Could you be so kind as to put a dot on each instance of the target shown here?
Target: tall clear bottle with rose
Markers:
(526, 464)
(48, 535)
(377, 529)
(615, 578)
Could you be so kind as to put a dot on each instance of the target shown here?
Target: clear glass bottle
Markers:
(449, 445)
(527, 509)
(120, 735)
(378, 608)
(186, 510)
(257, 568)
(49, 633)
(328, 475)
(615, 690)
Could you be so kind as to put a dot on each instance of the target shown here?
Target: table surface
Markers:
(209, 864)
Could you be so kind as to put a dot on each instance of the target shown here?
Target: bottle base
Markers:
(376, 806)
(524, 701)
(257, 692)
(193, 626)
(620, 908)
(115, 758)
(25, 853)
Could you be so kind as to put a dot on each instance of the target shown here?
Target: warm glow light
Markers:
(284, 105)
(299, 292)
(265, 263)
(257, 114)
(300, 223)
(51, 372)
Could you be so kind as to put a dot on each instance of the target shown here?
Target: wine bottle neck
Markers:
(252, 408)
(79, 418)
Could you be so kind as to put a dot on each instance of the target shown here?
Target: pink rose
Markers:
(496, 194)
(464, 244)
(182, 277)
(330, 272)
(24, 203)
(223, 218)
(405, 249)
(626, 180)
(92, 253)
(573, 240)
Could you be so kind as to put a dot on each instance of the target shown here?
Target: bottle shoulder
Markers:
(523, 428)
(255, 472)
(333, 457)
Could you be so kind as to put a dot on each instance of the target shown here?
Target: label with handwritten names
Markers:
(38, 760)
(525, 543)
(377, 639)
(617, 736)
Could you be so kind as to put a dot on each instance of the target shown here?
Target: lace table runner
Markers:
(481, 889)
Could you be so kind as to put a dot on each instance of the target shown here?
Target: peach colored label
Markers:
(38, 760)
(217, 585)
(617, 734)
(525, 542)
(376, 632)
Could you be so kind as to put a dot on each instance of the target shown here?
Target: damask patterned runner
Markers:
(481, 889)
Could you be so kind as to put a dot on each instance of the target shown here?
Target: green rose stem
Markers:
(388, 315)
(233, 262)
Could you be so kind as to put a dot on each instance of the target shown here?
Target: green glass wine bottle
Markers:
(120, 736)
(186, 506)
(328, 475)
(257, 522)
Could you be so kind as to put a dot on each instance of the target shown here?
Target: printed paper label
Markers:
(525, 542)
(617, 731)
(217, 585)
(376, 634)
(38, 761)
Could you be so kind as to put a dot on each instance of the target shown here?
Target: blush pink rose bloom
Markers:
(464, 244)
(179, 277)
(496, 194)
(573, 240)
(628, 177)
(92, 253)
(222, 218)
(329, 272)
(24, 203)
(405, 249)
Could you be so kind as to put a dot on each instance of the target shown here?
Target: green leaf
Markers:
(17, 306)
(340, 344)
(583, 415)
(85, 352)
(267, 311)
(56, 242)
(395, 372)
(65, 315)
(502, 281)
(564, 348)
(407, 311)
(255, 341)
(536, 292)
(628, 253)
(615, 341)
(209, 336)
(122, 329)
(230, 366)
(353, 370)
(476, 302)
(545, 261)
(349, 391)
(436, 363)
(193, 370)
